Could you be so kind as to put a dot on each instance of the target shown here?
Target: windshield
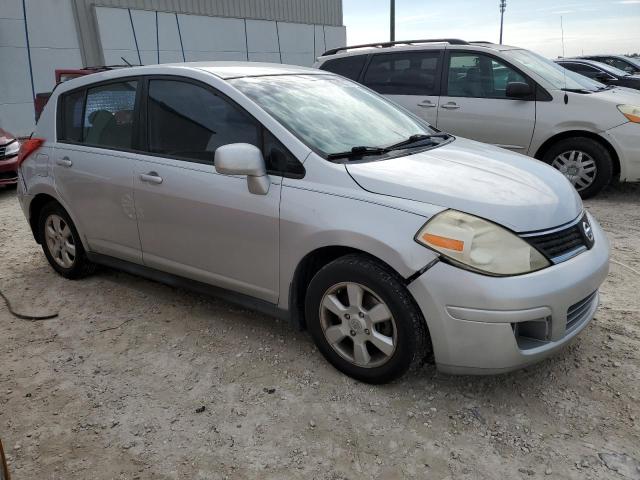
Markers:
(331, 114)
(555, 74)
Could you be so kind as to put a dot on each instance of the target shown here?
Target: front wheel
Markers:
(364, 321)
(586, 163)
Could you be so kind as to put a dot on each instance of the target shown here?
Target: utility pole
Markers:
(392, 21)
(503, 7)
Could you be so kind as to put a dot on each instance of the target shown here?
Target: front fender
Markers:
(310, 220)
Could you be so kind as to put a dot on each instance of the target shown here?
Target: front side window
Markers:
(189, 121)
(108, 118)
(479, 76)
(71, 106)
(404, 73)
(349, 67)
(331, 114)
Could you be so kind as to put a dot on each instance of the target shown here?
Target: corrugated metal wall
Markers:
(324, 12)
(318, 12)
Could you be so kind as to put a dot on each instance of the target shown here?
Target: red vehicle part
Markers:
(8, 158)
(62, 75)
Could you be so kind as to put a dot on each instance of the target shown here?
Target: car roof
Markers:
(224, 70)
(227, 70)
(580, 60)
(412, 45)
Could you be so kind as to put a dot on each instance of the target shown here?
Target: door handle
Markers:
(64, 162)
(450, 106)
(427, 104)
(151, 177)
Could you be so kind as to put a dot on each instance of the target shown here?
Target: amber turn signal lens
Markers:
(444, 242)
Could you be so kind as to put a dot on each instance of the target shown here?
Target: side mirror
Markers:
(4, 470)
(243, 159)
(518, 90)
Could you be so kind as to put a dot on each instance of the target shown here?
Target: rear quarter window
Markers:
(349, 67)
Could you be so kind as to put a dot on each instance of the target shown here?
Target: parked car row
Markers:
(508, 97)
(601, 72)
(304, 194)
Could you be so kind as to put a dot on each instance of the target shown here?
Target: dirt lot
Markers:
(112, 388)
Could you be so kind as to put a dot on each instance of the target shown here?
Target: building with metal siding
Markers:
(39, 36)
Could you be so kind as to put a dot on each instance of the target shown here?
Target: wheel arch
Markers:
(308, 266)
(544, 148)
(35, 207)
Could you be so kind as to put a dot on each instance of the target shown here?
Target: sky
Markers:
(590, 26)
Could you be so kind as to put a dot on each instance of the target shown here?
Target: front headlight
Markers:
(479, 245)
(12, 149)
(632, 112)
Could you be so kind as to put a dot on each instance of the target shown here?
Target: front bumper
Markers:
(625, 139)
(476, 321)
(9, 170)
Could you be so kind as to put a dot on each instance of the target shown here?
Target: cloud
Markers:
(629, 2)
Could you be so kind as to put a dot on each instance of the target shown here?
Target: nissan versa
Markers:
(307, 195)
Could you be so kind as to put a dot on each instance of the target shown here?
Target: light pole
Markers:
(503, 7)
(392, 21)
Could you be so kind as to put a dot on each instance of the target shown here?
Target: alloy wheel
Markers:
(60, 241)
(579, 168)
(358, 325)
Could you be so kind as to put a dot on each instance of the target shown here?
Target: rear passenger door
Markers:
(474, 102)
(195, 222)
(411, 79)
(93, 168)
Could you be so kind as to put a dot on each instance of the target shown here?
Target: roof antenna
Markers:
(125, 61)
(564, 70)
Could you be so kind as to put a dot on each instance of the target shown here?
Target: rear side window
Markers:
(404, 73)
(108, 118)
(72, 107)
(188, 121)
(349, 67)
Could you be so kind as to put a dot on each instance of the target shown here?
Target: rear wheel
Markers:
(586, 163)
(61, 243)
(364, 321)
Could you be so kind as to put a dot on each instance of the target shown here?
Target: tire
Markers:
(69, 266)
(349, 331)
(581, 155)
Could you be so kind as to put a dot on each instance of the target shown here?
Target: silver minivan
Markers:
(509, 97)
(305, 195)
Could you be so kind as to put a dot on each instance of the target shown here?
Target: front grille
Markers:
(559, 245)
(578, 311)
(8, 175)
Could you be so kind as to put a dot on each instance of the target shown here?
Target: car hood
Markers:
(515, 191)
(5, 137)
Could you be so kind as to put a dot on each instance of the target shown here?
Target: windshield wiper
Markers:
(577, 90)
(359, 151)
(418, 138)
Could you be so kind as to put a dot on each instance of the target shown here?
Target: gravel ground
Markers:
(139, 380)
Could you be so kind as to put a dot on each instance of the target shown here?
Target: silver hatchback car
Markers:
(308, 196)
